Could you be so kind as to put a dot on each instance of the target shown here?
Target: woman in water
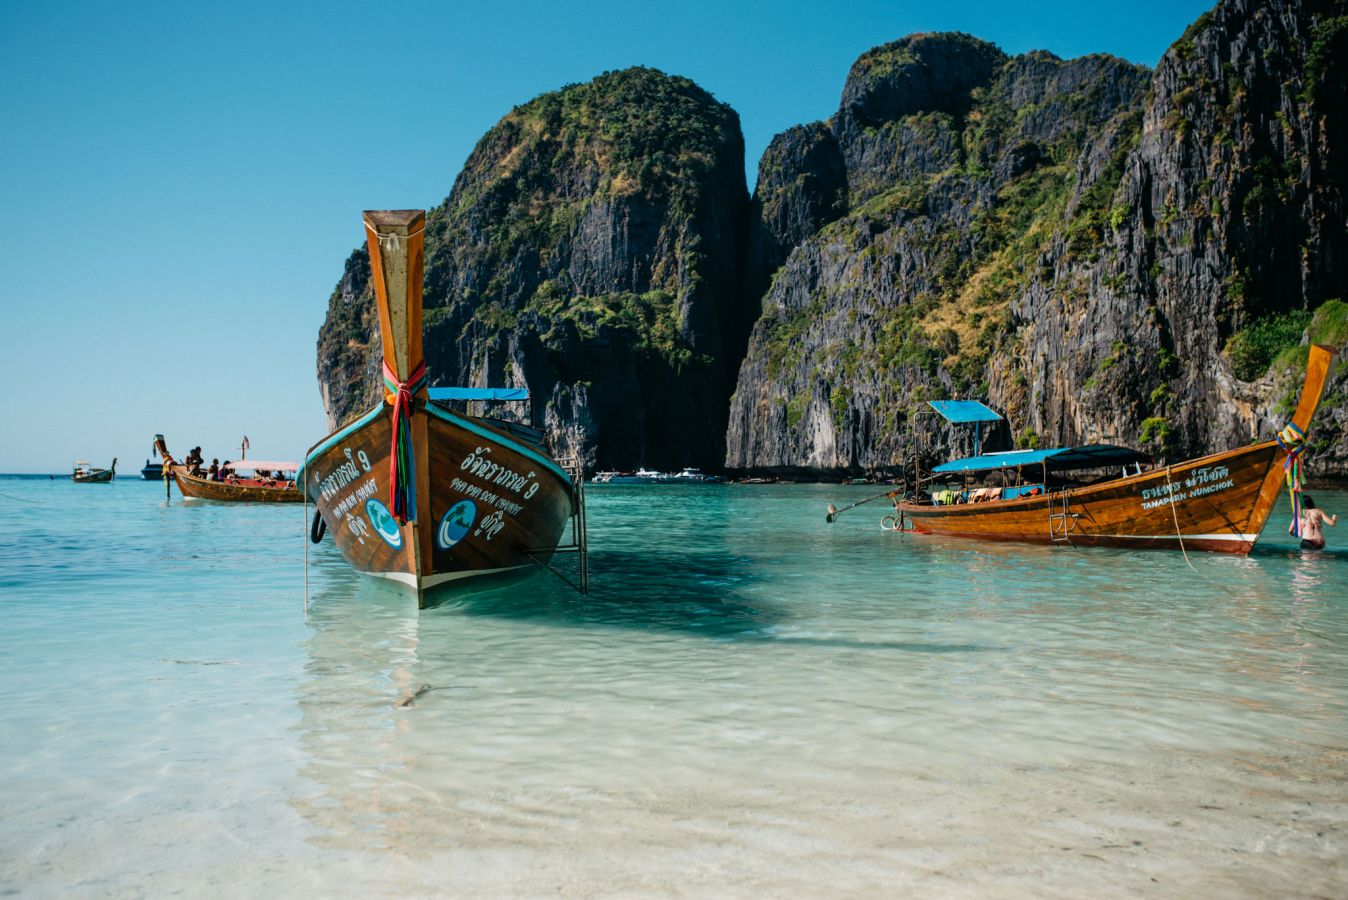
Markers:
(1312, 525)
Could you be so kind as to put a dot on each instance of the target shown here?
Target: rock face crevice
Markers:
(1102, 251)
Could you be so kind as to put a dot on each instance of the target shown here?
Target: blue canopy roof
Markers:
(1089, 456)
(468, 393)
(959, 412)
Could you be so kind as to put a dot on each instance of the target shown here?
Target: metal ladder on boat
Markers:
(1061, 520)
(577, 531)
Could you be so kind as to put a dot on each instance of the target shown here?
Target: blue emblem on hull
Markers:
(456, 523)
(384, 524)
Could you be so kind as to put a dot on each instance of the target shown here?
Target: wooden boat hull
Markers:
(1219, 502)
(487, 504)
(205, 489)
(104, 476)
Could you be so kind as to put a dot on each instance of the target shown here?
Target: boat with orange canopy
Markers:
(1218, 502)
(244, 480)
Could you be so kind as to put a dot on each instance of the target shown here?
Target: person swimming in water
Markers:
(1312, 525)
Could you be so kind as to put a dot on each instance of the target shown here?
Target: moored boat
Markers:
(694, 476)
(1218, 502)
(419, 492)
(249, 481)
(85, 473)
(651, 476)
(152, 471)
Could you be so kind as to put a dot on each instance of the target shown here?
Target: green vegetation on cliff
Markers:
(632, 155)
(590, 249)
(965, 319)
(1254, 348)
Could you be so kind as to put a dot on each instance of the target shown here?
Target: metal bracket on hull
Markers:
(1061, 520)
(579, 543)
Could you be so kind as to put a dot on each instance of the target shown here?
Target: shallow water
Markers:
(750, 701)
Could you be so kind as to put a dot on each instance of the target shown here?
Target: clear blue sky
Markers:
(180, 183)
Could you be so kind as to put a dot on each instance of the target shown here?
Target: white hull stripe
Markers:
(408, 580)
(1246, 538)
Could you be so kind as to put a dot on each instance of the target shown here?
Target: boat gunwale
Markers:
(326, 443)
(482, 430)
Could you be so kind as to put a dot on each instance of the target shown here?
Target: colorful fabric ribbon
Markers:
(402, 467)
(1293, 440)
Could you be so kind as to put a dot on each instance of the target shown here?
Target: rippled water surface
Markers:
(749, 702)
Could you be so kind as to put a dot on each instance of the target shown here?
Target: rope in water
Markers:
(402, 481)
(1293, 441)
(23, 500)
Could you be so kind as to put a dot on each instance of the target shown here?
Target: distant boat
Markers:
(152, 471)
(245, 480)
(84, 473)
(650, 476)
(418, 492)
(697, 476)
(1218, 502)
(622, 478)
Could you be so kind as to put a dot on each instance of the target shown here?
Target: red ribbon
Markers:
(402, 476)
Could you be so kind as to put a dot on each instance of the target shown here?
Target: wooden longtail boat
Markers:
(1218, 502)
(417, 492)
(84, 473)
(241, 488)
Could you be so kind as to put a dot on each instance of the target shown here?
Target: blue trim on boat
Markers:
(468, 393)
(499, 439)
(1087, 456)
(336, 437)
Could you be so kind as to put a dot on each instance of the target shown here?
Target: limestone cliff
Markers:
(590, 250)
(1104, 252)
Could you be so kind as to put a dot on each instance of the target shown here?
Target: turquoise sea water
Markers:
(751, 701)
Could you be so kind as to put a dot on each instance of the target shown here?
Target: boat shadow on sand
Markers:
(702, 594)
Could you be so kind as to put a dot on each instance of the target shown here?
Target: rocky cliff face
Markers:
(1105, 253)
(907, 296)
(1102, 251)
(1228, 221)
(590, 250)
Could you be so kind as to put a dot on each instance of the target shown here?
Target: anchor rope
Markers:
(24, 500)
(402, 482)
(1293, 441)
(1174, 515)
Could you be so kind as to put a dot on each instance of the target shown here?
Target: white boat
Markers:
(695, 475)
(640, 476)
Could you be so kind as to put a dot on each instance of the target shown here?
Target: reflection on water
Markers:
(749, 701)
